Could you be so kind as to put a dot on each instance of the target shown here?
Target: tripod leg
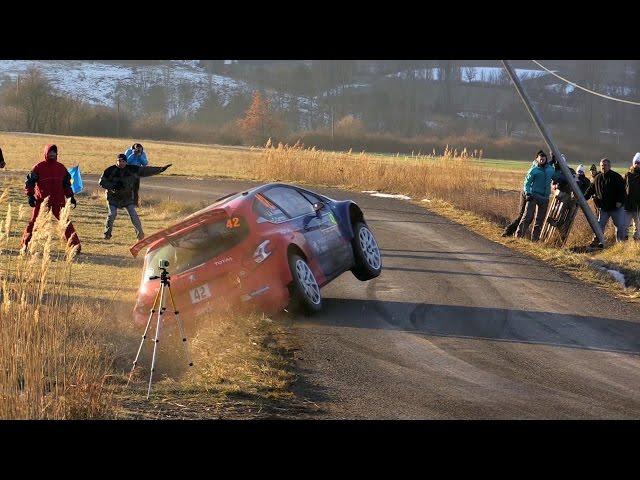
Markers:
(157, 339)
(182, 334)
(144, 335)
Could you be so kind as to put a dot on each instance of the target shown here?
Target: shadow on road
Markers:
(498, 324)
(442, 252)
(440, 258)
(506, 277)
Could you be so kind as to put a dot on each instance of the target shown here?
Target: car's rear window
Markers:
(196, 247)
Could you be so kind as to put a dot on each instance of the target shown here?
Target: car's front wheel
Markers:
(304, 289)
(367, 253)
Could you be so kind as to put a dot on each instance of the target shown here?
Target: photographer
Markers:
(136, 156)
(119, 181)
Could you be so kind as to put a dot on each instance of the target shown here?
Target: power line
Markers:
(583, 88)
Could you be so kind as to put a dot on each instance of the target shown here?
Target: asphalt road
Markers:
(455, 327)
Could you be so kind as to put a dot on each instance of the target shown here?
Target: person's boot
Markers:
(595, 243)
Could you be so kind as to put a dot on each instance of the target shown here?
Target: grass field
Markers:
(83, 320)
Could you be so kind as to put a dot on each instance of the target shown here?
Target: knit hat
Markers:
(580, 169)
(636, 158)
(122, 156)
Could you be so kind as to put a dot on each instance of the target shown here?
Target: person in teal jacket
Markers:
(136, 156)
(537, 188)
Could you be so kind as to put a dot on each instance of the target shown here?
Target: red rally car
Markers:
(272, 247)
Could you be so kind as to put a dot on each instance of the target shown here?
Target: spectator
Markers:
(136, 156)
(119, 181)
(608, 191)
(537, 188)
(632, 202)
(581, 179)
(49, 178)
(1, 159)
(511, 228)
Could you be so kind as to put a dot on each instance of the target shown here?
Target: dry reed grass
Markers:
(51, 365)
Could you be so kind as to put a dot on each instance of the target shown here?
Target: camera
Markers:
(163, 263)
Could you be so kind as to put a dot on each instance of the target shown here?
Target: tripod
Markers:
(165, 286)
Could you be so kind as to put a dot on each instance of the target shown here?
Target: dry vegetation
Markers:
(67, 340)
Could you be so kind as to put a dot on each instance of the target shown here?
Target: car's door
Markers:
(320, 232)
(323, 228)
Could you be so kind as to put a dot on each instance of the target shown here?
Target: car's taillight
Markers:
(261, 253)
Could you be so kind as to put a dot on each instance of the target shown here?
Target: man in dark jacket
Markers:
(120, 180)
(608, 194)
(632, 202)
(1, 159)
(49, 178)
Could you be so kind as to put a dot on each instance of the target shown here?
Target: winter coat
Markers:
(607, 190)
(49, 178)
(632, 189)
(133, 159)
(538, 180)
(583, 183)
(561, 182)
(120, 182)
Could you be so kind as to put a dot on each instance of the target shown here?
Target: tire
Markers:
(366, 252)
(304, 289)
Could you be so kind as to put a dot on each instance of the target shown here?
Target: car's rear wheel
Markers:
(305, 292)
(367, 253)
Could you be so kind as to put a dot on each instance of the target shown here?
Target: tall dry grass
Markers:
(52, 365)
(453, 176)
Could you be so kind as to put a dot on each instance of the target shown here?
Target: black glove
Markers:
(32, 201)
(165, 167)
(73, 201)
(528, 196)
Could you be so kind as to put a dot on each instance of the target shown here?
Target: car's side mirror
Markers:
(317, 207)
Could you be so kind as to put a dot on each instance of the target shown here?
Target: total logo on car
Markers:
(274, 246)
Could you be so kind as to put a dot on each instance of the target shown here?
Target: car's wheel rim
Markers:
(370, 248)
(308, 281)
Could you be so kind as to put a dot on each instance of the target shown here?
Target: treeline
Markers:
(390, 118)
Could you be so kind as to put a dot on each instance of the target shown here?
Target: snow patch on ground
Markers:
(618, 277)
(95, 82)
(615, 274)
(375, 193)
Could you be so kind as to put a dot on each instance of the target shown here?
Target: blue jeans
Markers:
(635, 218)
(619, 222)
(133, 215)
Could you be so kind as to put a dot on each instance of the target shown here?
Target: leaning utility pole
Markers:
(593, 222)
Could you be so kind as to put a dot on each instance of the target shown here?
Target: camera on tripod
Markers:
(163, 263)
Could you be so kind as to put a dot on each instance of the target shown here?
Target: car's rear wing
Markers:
(186, 225)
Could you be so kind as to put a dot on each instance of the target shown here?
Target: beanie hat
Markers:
(636, 158)
(580, 169)
(122, 156)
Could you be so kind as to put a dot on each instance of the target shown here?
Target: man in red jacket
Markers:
(49, 178)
